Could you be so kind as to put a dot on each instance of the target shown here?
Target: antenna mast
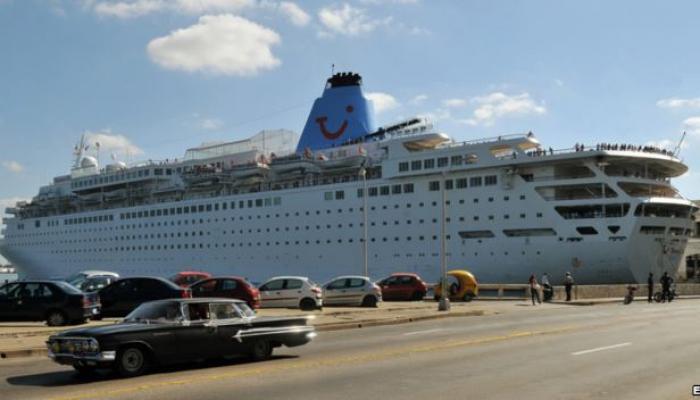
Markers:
(677, 150)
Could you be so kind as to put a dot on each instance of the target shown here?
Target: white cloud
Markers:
(348, 20)
(211, 124)
(13, 166)
(419, 99)
(497, 105)
(382, 101)
(692, 125)
(454, 103)
(138, 8)
(218, 44)
(112, 142)
(559, 82)
(296, 14)
(675, 102)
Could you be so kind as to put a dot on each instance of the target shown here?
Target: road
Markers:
(639, 351)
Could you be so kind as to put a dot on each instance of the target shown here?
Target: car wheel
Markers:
(132, 361)
(307, 304)
(55, 318)
(260, 350)
(468, 297)
(369, 301)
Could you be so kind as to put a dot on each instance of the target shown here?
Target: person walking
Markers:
(665, 287)
(650, 287)
(568, 284)
(534, 289)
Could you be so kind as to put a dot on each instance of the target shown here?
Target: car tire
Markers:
(307, 304)
(132, 361)
(369, 301)
(55, 318)
(468, 297)
(260, 350)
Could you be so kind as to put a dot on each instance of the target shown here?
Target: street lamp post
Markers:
(444, 303)
(363, 174)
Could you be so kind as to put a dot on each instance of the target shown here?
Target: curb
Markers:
(40, 351)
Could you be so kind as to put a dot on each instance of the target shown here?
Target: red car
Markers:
(232, 287)
(187, 278)
(403, 286)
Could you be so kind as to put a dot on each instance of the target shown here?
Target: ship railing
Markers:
(542, 152)
(493, 139)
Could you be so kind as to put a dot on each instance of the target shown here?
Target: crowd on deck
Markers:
(604, 146)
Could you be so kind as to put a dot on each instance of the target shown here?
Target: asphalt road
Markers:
(639, 351)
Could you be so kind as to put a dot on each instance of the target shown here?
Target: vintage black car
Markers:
(177, 331)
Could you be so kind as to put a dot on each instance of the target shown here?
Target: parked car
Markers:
(55, 302)
(352, 291)
(403, 286)
(176, 331)
(187, 278)
(461, 284)
(79, 278)
(96, 282)
(123, 296)
(291, 291)
(232, 287)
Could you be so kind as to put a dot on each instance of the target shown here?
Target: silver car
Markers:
(352, 291)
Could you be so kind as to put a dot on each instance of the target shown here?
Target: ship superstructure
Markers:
(276, 204)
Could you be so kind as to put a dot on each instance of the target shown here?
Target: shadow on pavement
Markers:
(70, 377)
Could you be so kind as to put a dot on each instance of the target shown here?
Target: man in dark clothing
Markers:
(568, 284)
(650, 286)
(665, 287)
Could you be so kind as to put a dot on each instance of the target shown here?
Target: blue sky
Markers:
(154, 77)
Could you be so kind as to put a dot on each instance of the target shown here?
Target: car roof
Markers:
(349, 277)
(91, 272)
(157, 278)
(193, 273)
(199, 300)
(405, 274)
(240, 278)
(34, 281)
(303, 278)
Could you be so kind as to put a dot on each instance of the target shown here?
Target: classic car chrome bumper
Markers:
(70, 358)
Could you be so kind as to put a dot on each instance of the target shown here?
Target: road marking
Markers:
(422, 332)
(614, 346)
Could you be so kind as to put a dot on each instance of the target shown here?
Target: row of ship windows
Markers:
(441, 162)
(120, 177)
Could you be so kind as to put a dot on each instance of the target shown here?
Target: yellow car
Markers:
(461, 285)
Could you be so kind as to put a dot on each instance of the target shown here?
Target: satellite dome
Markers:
(88, 162)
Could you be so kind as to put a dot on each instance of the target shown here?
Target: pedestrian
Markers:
(547, 289)
(568, 284)
(534, 289)
(650, 287)
(665, 287)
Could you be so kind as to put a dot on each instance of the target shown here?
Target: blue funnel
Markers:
(340, 115)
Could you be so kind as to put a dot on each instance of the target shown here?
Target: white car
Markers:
(291, 291)
(352, 290)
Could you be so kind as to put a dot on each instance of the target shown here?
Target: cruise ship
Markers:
(280, 204)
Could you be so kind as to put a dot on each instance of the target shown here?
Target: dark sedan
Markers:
(123, 296)
(56, 302)
(176, 331)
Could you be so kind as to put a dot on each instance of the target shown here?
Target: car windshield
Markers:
(160, 312)
(245, 310)
(68, 288)
(76, 279)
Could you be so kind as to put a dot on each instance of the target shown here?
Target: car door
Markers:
(9, 295)
(228, 323)
(357, 289)
(120, 298)
(271, 293)
(230, 288)
(336, 292)
(198, 339)
(31, 301)
(205, 288)
(389, 287)
(405, 287)
(291, 294)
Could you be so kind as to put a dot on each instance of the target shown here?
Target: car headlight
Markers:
(93, 345)
(55, 347)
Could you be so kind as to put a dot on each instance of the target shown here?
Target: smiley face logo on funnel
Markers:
(321, 121)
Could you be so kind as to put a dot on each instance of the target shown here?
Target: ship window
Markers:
(158, 171)
(250, 203)
(593, 211)
(429, 163)
(224, 206)
(475, 181)
(614, 228)
(663, 210)
(339, 195)
(153, 213)
(373, 191)
(416, 165)
(268, 202)
(277, 201)
(201, 207)
(434, 186)
(258, 203)
(576, 192)
(179, 210)
(475, 234)
(652, 230)
(676, 231)
(159, 213)
(490, 180)
(586, 230)
(449, 184)
(461, 183)
(241, 204)
(442, 162)
(384, 190)
(403, 166)
(529, 232)
(408, 188)
(360, 192)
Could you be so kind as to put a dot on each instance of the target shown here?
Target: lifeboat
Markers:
(250, 170)
(355, 161)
